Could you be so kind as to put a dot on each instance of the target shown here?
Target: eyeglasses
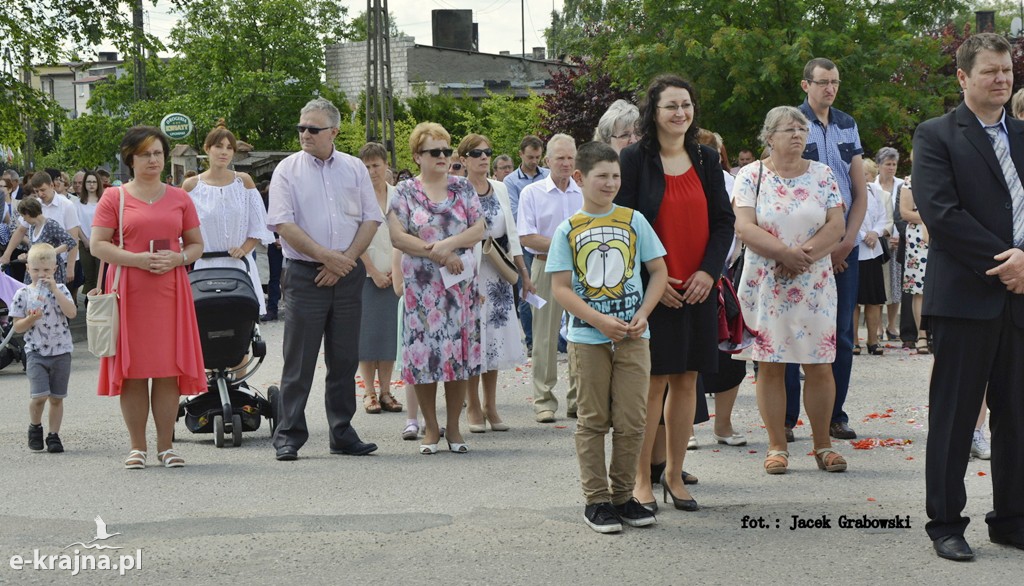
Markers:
(456, 166)
(477, 153)
(632, 133)
(436, 153)
(793, 131)
(150, 155)
(314, 130)
(824, 82)
(675, 107)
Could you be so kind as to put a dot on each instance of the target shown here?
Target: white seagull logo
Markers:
(101, 530)
(101, 534)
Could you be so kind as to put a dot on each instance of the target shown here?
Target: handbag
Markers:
(102, 316)
(497, 256)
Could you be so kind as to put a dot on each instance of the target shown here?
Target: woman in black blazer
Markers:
(678, 185)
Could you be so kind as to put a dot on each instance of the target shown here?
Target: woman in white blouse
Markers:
(501, 339)
(231, 213)
(874, 239)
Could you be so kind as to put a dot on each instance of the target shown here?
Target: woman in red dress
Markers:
(158, 339)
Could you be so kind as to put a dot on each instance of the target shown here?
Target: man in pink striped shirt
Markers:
(323, 206)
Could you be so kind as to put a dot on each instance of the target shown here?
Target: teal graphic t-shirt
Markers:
(604, 253)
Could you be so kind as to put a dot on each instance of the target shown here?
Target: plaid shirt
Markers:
(835, 145)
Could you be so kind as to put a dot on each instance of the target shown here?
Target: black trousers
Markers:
(970, 355)
(314, 314)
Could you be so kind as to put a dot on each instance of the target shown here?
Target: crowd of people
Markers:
(616, 248)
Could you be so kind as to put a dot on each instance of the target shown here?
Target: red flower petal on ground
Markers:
(982, 474)
(871, 499)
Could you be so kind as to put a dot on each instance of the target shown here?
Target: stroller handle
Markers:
(226, 254)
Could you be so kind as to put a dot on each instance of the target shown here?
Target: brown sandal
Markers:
(922, 346)
(829, 460)
(777, 462)
(370, 402)
(389, 403)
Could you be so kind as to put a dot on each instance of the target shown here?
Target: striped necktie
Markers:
(1012, 181)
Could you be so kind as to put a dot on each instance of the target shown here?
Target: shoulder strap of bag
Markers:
(120, 235)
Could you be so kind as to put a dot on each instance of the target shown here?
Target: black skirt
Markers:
(685, 339)
(871, 285)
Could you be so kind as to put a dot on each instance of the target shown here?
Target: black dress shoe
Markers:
(841, 430)
(953, 547)
(1016, 539)
(287, 453)
(269, 316)
(356, 448)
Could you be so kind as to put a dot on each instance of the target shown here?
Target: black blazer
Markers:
(963, 199)
(643, 187)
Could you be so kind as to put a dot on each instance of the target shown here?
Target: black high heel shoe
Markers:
(681, 504)
(658, 469)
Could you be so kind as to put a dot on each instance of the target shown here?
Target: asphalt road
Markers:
(509, 512)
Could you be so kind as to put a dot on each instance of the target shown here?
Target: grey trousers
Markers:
(315, 314)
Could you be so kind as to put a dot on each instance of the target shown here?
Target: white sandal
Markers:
(171, 459)
(136, 460)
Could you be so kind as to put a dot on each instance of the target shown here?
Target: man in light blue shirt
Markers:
(529, 171)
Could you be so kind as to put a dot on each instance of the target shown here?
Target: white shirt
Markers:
(874, 221)
(60, 209)
(543, 206)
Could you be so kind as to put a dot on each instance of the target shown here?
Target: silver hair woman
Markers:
(617, 126)
(889, 185)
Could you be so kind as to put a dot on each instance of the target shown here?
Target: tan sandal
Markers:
(370, 402)
(829, 460)
(777, 462)
(389, 403)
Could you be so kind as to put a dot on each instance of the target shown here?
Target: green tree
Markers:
(34, 32)
(745, 57)
(358, 32)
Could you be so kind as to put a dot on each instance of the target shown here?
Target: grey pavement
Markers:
(509, 512)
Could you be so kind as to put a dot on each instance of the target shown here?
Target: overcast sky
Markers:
(499, 20)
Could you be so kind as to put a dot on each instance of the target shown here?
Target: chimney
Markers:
(538, 53)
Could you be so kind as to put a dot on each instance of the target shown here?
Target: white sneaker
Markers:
(979, 446)
(692, 444)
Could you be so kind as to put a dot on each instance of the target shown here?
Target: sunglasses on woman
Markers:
(477, 153)
(436, 153)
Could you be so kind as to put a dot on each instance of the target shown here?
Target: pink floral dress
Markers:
(795, 319)
(441, 327)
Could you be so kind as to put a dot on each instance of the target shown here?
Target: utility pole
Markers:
(30, 139)
(138, 46)
(522, 21)
(380, 111)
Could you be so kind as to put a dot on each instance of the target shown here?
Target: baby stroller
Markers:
(12, 346)
(227, 310)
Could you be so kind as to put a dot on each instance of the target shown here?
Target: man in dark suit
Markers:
(967, 186)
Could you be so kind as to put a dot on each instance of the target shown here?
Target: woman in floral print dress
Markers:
(789, 213)
(434, 220)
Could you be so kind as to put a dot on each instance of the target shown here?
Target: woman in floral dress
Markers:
(501, 339)
(916, 260)
(435, 220)
(790, 215)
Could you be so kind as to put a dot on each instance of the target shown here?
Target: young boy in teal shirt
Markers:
(595, 257)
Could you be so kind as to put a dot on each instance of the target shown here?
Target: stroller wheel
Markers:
(274, 397)
(236, 430)
(218, 431)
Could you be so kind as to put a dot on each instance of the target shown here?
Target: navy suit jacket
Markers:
(962, 196)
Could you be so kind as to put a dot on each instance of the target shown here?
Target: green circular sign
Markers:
(176, 126)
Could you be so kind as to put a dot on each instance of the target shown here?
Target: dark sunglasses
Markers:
(477, 153)
(436, 153)
(456, 166)
(314, 130)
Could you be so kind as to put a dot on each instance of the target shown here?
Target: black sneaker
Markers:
(35, 437)
(53, 444)
(634, 514)
(601, 517)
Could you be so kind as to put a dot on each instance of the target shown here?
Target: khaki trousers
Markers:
(613, 380)
(546, 323)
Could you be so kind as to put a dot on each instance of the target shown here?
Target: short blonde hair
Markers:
(1017, 104)
(42, 253)
(870, 166)
(779, 115)
(425, 131)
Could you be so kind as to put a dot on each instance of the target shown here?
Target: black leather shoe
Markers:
(287, 453)
(790, 438)
(1015, 539)
(356, 448)
(953, 547)
(841, 430)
